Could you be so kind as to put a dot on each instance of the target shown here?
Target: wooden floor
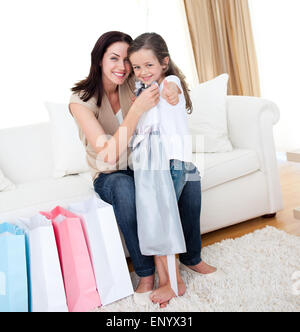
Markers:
(284, 219)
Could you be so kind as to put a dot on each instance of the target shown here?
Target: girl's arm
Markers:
(171, 92)
(110, 149)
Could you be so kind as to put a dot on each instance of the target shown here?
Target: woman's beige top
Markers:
(110, 124)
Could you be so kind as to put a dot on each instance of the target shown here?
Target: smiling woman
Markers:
(115, 64)
(109, 68)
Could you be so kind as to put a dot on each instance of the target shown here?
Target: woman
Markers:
(106, 117)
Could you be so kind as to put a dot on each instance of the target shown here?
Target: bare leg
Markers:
(164, 293)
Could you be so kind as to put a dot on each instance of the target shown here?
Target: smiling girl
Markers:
(151, 63)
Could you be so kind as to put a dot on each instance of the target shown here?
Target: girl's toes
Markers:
(164, 304)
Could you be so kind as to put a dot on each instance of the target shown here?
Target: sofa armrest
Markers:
(250, 126)
(248, 118)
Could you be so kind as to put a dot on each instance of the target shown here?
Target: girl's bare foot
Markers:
(146, 284)
(162, 295)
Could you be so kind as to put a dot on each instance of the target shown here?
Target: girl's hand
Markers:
(171, 92)
(147, 99)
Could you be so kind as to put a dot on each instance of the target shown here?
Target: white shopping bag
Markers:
(46, 283)
(106, 250)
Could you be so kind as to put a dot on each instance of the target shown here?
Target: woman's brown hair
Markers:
(92, 85)
(153, 41)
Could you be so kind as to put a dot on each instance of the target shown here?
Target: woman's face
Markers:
(115, 64)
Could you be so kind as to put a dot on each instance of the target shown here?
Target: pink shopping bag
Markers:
(78, 276)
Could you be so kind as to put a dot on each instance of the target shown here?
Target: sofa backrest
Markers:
(26, 153)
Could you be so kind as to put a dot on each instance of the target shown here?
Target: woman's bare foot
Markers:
(146, 284)
(202, 268)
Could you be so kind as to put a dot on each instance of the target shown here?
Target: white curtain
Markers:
(276, 27)
(46, 45)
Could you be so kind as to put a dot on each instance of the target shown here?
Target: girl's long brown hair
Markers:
(153, 41)
(92, 85)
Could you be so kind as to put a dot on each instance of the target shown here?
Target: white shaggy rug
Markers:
(261, 273)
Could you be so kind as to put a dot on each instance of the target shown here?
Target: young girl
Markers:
(152, 64)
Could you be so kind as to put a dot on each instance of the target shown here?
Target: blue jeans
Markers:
(118, 189)
(180, 172)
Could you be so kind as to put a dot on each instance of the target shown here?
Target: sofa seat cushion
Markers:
(29, 198)
(218, 168)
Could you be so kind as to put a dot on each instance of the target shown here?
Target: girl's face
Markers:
(146, 66)
(115, 64)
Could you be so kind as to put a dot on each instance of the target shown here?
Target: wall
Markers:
(46, 46)
(276, 27)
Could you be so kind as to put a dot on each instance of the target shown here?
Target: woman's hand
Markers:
(147, 99)
(171, 92)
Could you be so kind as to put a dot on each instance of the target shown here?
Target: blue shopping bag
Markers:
(13, 270)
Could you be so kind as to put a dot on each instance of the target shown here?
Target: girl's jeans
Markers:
(118, 189)
(180, 172)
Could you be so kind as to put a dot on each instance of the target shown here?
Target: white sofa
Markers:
(236, 186)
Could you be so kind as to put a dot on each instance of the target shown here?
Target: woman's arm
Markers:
(110, 149)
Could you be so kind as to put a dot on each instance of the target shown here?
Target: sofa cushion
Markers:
(29, 198)
(218, 168)
(5, 184)
(68, 151)
(25, 153)
(208, 121)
